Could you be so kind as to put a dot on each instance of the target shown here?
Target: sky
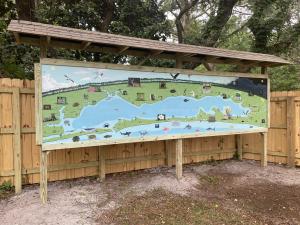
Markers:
(56, 77)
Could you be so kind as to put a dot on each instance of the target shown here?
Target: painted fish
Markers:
(211, 129)
(143, 133)
(127, 133)
(107, 136)
(188, 127)
(166, 129)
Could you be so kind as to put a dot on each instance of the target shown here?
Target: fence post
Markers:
(264, 152)
(291, 131)
(239, 146)
(43, 175)
(178, 150)
(17, 139)
(101, 158)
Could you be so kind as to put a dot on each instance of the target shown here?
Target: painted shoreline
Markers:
(166, 128)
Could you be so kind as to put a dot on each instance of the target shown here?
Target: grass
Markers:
(213, 180)
(6, 189)
(161, 207)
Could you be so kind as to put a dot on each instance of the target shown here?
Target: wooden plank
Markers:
(239, 140)
(6, 121)
(168, 152)
(38, 103)
(101, 163)
(263, 159)
(17, 140)
(48, 147)
(25, 130)
(43, 177)
(178, 151)
(291, 131)
(22, 90)
(71, 35)
(145, 68)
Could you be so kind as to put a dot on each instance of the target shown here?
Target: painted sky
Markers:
(55, 77)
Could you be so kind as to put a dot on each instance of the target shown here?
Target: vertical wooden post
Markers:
(17, 140)
(239, 145)
(168, 152)
(43, 47)
(43, 176)
(170, 143)
(179, 158)
(264, 152)
(291, 131)
(101, 167)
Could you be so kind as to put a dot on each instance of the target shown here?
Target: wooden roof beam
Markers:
(208, 66)
(48, 40)
(123, 49)
(17, 37)
(188, 54)
(85, 44)
(151, 54)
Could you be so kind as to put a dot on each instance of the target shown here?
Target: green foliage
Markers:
(285, 78)
(6, 186)
(271, 26)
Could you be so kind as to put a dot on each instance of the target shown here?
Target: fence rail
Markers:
(20, 157)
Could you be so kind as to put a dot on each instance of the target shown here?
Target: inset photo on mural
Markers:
(85, 104)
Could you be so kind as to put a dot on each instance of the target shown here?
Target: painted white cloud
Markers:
(51, 84)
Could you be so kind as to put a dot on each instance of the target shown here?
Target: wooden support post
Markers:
(239, 145)
(168, 152)
(101, 166)
(43, 176)
(291, 131)
(17, 140)
(43, 47)
(264, 152)
(179, 158)
(178, 62)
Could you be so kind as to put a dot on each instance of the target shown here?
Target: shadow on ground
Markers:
(229, 192)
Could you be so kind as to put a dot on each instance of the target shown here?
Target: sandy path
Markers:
(82, 201)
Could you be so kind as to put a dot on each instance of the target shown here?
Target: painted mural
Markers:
(86, 104)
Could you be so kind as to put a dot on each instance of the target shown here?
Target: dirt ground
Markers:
(229, 192)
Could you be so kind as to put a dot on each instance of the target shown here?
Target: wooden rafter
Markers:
(85, 44)
(123, 49)
(17, 37)
(48, 40)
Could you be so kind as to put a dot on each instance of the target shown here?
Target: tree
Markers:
(26, 9)
(213, 28)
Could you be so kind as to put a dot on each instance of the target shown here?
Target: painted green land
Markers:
(77, 100)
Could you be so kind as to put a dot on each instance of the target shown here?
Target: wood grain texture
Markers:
(140, 155)
(76, 39)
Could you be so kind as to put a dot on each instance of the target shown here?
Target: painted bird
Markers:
(99, 75)
(174, 76)
(69, 79)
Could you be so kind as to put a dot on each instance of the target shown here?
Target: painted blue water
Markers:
(113, 108)
(167, 128)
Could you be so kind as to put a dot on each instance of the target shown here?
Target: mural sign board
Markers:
(87, 104)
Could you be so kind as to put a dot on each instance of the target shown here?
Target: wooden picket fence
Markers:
(20, 157)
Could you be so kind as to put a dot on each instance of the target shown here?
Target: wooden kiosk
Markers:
(231, 88)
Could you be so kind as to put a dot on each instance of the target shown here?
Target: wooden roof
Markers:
(39, 34)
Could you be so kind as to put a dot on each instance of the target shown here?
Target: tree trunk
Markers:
(213, 28)
(25, 9)
(109, 7)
